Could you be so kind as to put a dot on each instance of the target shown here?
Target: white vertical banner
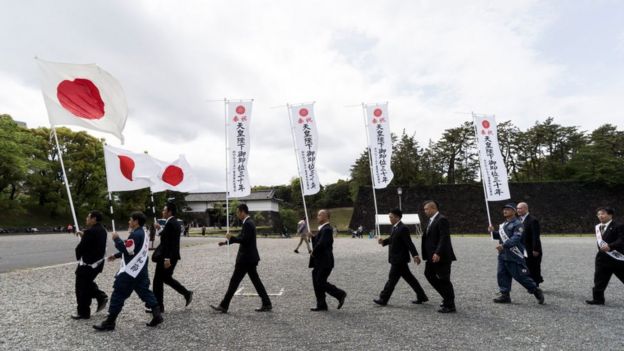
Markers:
(238, 123)
(380, 143)
(493, 170)
(306, 146)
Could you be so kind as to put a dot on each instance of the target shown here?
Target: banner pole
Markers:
(227, 183)
(487, 205)
(370, 166)
(110, 205)
(292, 133)
(69, 196)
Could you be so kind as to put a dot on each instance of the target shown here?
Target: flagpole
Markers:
(292, 133)
(227, 183)
(69, 196)
(487, 205)
(370, 165)
(110, 205)
(154, 213)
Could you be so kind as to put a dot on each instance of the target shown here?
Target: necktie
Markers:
(602, 228)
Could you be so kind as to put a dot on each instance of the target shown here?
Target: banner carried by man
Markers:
(238, 120)
(493, 170)
(306, 145)
(83, 95)
(379, 143)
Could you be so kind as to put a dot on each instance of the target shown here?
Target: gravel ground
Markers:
(36, 305)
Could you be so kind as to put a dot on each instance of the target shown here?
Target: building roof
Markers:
(220, 196)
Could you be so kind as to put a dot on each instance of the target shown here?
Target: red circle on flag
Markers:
(240, 109)
(126, 166)
(303, 112)
(81, 98)
(173, 175)
(485, 124)
(377, 112)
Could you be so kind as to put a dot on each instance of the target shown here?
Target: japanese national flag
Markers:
(176, 176)
(83, 95)
(127, 170)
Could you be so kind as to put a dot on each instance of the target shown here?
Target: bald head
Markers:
(522, 208)
(323, 216)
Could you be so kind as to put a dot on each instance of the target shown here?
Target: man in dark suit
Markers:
(166, 257)
(437, 250)
(90, 255)
(610, 256)
(400, 253)
(532, 242)
(246, 262)
(322, 263)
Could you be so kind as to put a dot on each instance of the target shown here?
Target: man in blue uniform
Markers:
(133, 274)
(511, 257)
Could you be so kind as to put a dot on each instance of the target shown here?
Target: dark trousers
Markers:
(322, 286)
(606, 266)
(439, 276)
(535, 270)
(87, 289)
(398, 271)
(239, 273)
(165, 276)
(124, 286)
(518, 271)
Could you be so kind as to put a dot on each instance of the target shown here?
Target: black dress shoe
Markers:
(341, 301)
(420, 301)
(157, 317)
(447, 309)
(188, 298)
(218, 308)
(101, 303)
(106, 325)
(296, 251)
(264, 308)
(539, 295)
(503, 298)
(594, 302)
(318, 309)
(77, 317)
(380, 302)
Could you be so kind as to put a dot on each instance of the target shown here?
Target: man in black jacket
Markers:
(438, 252)
(246, 263)
(532, 242)
(322, 263)
(90, 255)
(610, 256)
(167, 255)
(400, 253)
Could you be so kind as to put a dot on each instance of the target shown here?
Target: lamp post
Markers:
(400, 192)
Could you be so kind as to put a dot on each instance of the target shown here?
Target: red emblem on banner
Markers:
(126, 166)
(81, 97)
(240, 109)
(173, 175)
(377, 112)
(303, 112)
(485, 124)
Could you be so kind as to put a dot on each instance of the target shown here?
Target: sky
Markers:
(433, 61)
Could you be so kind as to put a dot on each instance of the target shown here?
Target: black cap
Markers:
(510, 205)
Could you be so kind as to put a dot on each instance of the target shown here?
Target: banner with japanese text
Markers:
(306, 144)
(238, 123)
(380, 143)
(493, 170)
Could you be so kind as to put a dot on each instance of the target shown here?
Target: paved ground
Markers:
(36, 305)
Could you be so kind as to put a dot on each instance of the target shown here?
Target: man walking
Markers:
(322, 264)
(532, 242)
(166, 257)
(511, 254)
(401, 250)
(90, 255)
(610, 256)
(132, 275)
(304, 234)
(246, 263)
(437, 250)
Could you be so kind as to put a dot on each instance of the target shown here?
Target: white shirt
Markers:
(522, 218)
(322, 225)
(245, 219)
(606, 225)
(433, 217)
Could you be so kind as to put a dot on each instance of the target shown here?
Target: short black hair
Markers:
(97, 215)
(437, 205)
(609, 210)
(138, 216)
(397, 212)
(243, 208)
(171, 207)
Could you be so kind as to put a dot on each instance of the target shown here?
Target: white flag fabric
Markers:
(177, 176)
(238, 123)
(126, 170)
(493, 170)
(306, 145)
(83, 95)
(380, 143)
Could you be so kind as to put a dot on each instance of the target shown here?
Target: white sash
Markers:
(136, 264)
(613, 253)
(504, 237)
